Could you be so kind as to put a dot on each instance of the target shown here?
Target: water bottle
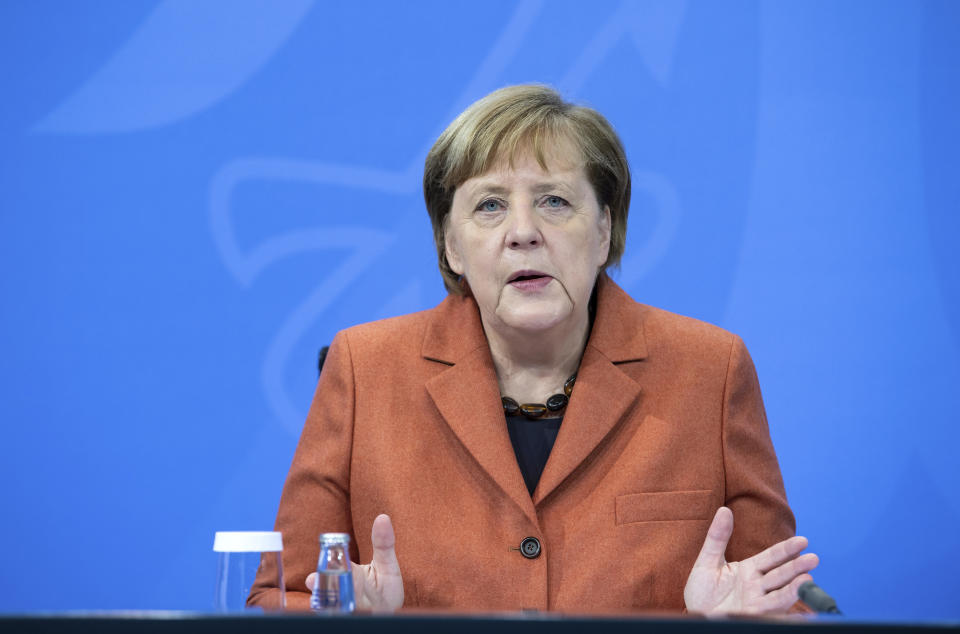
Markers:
(333, 591)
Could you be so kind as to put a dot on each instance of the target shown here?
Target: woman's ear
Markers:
(451, 250)
(604, 228)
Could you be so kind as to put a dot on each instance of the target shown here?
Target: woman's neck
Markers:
(532, 366)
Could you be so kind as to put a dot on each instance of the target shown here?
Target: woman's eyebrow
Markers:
(550, 186)
(485, 187)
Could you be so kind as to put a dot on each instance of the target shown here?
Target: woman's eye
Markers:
(555, 202)
(489, 205)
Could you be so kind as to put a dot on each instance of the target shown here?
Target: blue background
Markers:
(194, 196)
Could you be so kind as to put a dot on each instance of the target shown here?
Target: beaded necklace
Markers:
(535, 410)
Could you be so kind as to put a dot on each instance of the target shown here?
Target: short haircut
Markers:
(515, 119)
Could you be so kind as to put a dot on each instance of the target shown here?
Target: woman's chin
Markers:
(534, 317)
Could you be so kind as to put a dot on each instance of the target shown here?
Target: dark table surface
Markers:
(458, 623)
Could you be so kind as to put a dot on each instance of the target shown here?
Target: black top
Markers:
(532, 441)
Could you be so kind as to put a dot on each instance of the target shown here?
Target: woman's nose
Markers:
(523, 231)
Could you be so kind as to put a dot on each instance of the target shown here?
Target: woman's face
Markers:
(529, 241)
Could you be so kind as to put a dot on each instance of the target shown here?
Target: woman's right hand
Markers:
(378, 585)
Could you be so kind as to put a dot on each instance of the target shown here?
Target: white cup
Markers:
(240, 554)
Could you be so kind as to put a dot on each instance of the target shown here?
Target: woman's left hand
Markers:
(766, 583)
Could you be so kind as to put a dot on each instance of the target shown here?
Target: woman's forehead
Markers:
(557, 160)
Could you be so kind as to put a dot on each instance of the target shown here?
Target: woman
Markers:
(617, 488)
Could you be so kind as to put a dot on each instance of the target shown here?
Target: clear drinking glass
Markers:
(239, 555)
(333, 591)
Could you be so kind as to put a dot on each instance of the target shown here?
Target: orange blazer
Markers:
(665, 424)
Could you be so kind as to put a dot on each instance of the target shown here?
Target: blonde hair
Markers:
(519, 118)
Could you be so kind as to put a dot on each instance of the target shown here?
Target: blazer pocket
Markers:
(664, 506)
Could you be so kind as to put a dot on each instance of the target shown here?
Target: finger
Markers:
(384, 555)
(787, 572)
(781, 600)
(311, 581)
(777, 554)
(715, 545)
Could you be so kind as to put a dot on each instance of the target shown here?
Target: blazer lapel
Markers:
(603, 393)
(601, 397)
(467, 396)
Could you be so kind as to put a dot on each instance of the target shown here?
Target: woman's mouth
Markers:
(529, 281)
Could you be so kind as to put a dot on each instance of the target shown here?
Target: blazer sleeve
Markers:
(753, 485)
(316, 495)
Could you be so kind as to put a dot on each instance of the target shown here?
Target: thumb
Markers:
(384, 555)
(715, 545)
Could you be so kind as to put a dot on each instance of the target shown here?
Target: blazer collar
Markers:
(618, 332)
(468, 398)
(454, 330)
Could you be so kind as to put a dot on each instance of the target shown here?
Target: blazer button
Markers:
(530, 547)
